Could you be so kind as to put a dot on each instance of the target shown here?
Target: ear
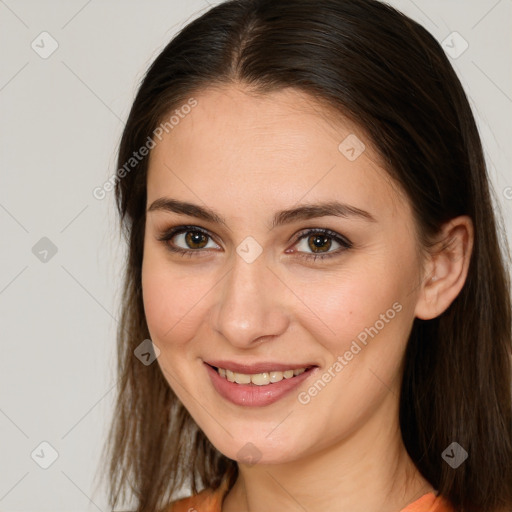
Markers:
(447, 268)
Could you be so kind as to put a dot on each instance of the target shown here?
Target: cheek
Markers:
(341, 306)
(368, 329)
(172, 301)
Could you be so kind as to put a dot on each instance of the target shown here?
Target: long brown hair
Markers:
(371, 63)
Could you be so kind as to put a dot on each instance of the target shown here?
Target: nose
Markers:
(251, 306)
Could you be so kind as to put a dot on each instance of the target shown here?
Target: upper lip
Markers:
(262, 367)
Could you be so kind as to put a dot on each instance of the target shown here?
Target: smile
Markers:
(257, 389)
(259, 379)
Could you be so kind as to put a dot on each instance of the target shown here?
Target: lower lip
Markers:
(251, 395)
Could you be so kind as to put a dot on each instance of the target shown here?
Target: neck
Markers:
(368, 470)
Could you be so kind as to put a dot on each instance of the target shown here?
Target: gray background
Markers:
(61, 120)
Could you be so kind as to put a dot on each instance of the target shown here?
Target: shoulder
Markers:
(208, 500)
(430, 503)
(211, 501)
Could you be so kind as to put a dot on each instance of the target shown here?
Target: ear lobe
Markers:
(447, 269)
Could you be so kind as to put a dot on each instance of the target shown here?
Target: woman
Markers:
(314, 256)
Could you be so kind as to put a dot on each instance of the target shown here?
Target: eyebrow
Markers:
(282, 217)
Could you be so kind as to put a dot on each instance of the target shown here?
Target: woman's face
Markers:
(248, 292)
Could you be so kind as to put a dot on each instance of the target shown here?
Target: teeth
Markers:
(259, 379)
(276, 376)
(241, 378)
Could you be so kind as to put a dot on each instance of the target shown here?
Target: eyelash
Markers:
(167, 235)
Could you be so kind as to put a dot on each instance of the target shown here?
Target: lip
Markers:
(251, 395)
(250, 369)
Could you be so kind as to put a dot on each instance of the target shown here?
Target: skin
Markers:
(246, 157)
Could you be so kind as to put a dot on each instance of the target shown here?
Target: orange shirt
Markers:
(211, 501)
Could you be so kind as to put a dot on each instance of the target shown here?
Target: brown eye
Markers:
(319, 243)
(186, 239)
(316, 243)
(195, 239)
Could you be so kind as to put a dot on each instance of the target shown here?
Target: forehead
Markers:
(235, 147)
